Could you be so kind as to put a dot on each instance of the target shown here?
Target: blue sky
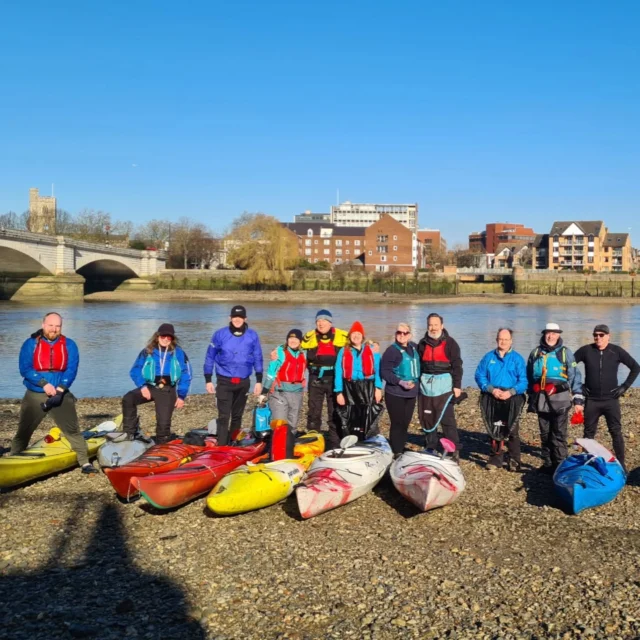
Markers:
(479, 111)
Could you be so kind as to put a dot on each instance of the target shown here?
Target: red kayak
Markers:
(193, 478)
(160, 458)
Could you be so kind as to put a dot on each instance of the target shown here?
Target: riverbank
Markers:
(503, 561)
(349, 297)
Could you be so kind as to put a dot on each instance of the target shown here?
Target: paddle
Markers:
(345, 443)
(447, 446)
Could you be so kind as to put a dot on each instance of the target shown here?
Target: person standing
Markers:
(601, 389)
(440, 383)
(285, 380)
(502, 379)
(49, 364)
(321, 346)
(358, 386)
(234, 352)
(555, 384)
(400, 369)
(162, 374)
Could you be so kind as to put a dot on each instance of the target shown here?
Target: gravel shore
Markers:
(502, 562)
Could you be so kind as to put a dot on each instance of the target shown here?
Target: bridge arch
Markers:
(14, 262)
(104, 275)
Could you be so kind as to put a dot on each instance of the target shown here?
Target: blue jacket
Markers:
(357, 369)
(183, 383)
(36, 380)
(234, 356)
(497, 372)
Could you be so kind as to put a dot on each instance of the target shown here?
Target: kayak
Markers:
(50, 454)
(584, 480)
(343, 475)
(427, 480)
(160, 458)
(116, 452)
(189, 480)
(259, 485)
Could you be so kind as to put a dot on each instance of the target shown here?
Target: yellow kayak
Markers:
(255, 486)
(51, 454)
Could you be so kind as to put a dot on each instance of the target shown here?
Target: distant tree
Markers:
(263, 247)
(137, 244)
(154, 233)
(65, 223)
(11, 220)
(182, 235)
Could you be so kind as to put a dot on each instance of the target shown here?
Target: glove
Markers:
(56, 401)
(406, 384)
(619, 391)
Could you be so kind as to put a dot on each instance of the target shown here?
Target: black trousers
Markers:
(232, 400)
(553, 436)
(610, 409)
(447, 423)
(165, 401)
(400, 413)
(321, 390)
(502, 411)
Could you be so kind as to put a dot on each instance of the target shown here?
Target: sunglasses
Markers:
(165, 336)
(403, 333)
(599, 335)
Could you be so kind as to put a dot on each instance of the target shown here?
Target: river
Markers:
(110, 335)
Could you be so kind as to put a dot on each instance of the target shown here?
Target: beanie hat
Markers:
(357, 326)
(295, 333)
(324, 314)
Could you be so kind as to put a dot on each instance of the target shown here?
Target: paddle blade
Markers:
(348, 441)
(447, 445)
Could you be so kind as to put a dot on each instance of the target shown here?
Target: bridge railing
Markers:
(499, 271)
(15, 234)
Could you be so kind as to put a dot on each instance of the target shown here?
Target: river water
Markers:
(110, 335)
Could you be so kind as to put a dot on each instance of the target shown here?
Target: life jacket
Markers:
(550, 365)
(292, 369)
(409, 367)
(150, 374)
(435, 359)
(366, 357)
(325, 353)
(50, 357)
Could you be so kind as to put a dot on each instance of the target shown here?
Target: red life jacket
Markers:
(366, 356)
(293, 368)
(435, 359)
(51, 357)
(323, 355)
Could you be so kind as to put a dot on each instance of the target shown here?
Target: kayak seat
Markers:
(158, 458)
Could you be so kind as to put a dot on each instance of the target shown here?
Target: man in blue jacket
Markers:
(234, 352)
(502, 378)
(49, 365)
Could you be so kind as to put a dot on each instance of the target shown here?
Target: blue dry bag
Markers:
(262, 419)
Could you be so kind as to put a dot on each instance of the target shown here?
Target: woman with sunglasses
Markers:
(162, 374)
(400, 369)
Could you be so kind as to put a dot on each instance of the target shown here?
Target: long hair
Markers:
(153, 343)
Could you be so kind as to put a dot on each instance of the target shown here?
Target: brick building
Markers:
(583, 245)
(390, 246)
(325, 241)
(497, 233)
(432, 247)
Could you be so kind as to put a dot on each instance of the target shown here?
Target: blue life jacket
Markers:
(409, 367)
(149, 369)
(555, 363)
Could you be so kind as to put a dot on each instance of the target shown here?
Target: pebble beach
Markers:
(504, 561)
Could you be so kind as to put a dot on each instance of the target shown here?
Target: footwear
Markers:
(491, 467)
(515, 467)
(4, 450)
(89, 469)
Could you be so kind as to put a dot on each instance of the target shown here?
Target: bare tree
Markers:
(155, 233)
(11, 220)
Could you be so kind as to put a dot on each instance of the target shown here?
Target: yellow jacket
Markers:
(310, 339)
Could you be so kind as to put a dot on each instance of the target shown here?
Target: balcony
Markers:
(617, 252)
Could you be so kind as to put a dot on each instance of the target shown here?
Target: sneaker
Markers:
(89, 469)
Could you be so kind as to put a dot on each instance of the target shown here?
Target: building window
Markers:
(590, 259)
(315, 251)
(338, 252)
(383, 258)
(307, 252)
(309, 232)
(316, 260)
(395, 237)
(370, 253)
(382, 248)
(556, 260)
(315, 242)
(338, 261)
(327, 252)
(348, 252)
(395, 258)
(338, 243)
(383, 238)
(327, 242)
(346, 242)
(356, 243)
(307, 243)
(395, 247)
(590, 237)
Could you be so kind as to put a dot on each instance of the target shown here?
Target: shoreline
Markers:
(348, 297)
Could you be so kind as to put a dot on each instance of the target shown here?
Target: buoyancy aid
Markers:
(324, 353)
(435, 359)
(150, 373)
(49, 356)
(551, 365)
(409, 367)
(292, 369)
(366, 357)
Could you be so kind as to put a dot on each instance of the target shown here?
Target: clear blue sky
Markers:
(479, 111)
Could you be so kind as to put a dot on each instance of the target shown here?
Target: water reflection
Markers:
(110, 335)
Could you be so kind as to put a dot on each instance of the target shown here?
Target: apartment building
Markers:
(432, 246)
(325, 241)
(308, 216)
(390, 246)
(497, 233)
(350, 214)
(540, 251)
(583, 245)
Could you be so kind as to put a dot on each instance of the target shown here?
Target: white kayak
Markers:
(118, 450)
(427, 480)
(340, 476)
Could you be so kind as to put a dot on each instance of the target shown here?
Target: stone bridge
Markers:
(34, 265)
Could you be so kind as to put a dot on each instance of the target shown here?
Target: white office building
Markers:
(350, 214)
